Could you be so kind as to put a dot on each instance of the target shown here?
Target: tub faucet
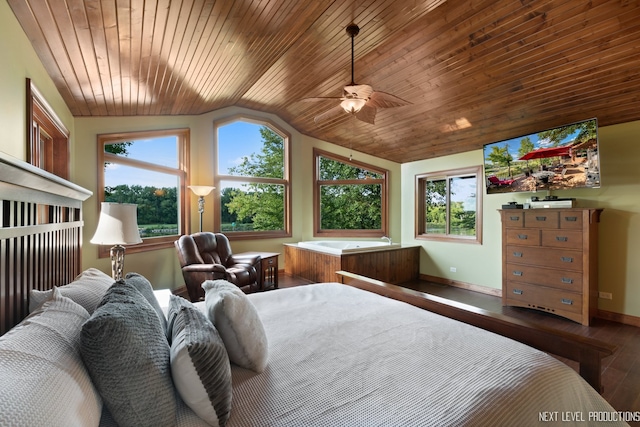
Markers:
(388, 239)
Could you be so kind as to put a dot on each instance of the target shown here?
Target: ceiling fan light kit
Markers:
(360, 101)
(353, 105)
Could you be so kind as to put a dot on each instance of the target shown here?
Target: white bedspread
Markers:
(339, 356)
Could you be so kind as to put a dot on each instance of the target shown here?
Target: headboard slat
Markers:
(40, 235)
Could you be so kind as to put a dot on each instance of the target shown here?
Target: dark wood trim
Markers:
(182, 172)
(384, 203)
(285, 181)
(47, 137)
(421, 208)
(496, 292)
(625, 319)
(587, 352)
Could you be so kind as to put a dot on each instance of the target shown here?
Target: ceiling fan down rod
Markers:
(353, 31)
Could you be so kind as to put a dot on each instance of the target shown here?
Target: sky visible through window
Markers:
(236, 140)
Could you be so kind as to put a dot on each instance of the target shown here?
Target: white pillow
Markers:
(43, 381)
(87, 290)
(238, 324)
(199, 363)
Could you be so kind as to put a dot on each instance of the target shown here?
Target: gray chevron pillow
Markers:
(126, 353)
(199, 362)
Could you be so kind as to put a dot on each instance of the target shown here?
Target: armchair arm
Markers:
(204, 268)
(241, 258)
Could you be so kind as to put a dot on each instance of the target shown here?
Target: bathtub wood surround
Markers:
(395, 265)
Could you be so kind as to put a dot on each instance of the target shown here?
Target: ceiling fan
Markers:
(361, 101)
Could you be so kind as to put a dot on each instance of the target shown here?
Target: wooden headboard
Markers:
(40, 234)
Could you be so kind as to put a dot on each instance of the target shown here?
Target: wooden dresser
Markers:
(550, 261)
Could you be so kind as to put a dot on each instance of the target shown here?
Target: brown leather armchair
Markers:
(207, 256)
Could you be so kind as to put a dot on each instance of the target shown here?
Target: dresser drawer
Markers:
(568, 239)
(541, 218)
(523, 236)
(545, 257)
(542, 298)
(513, 218)
(571, 220)
(561, 279)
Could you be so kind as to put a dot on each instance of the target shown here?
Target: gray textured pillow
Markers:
(127, 355)
(43, 381)
(238, 324)
(87, 290)
(199, 363)
(141, 283)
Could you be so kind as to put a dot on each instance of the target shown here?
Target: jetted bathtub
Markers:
(318, 260)
(339, 247)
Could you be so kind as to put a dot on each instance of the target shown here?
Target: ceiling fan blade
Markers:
(367, 114)
(329, 114)
(358, 91)
(320, 98)
(386, 100)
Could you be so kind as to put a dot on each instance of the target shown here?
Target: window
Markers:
(48, 145)
(449, 205)
(350, 197)
(148, 169)
(252, 176)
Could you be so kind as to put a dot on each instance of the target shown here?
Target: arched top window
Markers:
(253, 196)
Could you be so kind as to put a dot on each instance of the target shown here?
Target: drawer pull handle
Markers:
(517, 254)
(514, 218)
(571, 218)
(567, 280)
(562, 238)
(541, 218)
(522, 236)
(567, 301)
(517, 292)
(517, 273)
(566, 259)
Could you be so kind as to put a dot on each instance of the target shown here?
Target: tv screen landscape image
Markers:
(565, 157)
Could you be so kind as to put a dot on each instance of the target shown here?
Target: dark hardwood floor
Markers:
(620, 371)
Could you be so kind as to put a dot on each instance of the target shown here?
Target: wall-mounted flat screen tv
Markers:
(560, 158)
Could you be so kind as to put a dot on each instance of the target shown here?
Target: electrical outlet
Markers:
(605, 295)
(452, 269)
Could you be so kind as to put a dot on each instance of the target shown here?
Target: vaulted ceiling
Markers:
(474, 71)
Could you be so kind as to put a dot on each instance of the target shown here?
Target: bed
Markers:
(337, 354)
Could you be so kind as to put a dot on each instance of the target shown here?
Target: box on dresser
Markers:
(550, 261)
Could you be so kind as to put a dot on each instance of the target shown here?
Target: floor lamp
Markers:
(117, 225)
(201, 191)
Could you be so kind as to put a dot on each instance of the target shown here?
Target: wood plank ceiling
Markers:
(475, 71)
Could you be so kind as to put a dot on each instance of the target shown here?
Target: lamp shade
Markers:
(117, 225)
(201, 190)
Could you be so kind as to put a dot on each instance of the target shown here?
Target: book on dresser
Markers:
(550, 261)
